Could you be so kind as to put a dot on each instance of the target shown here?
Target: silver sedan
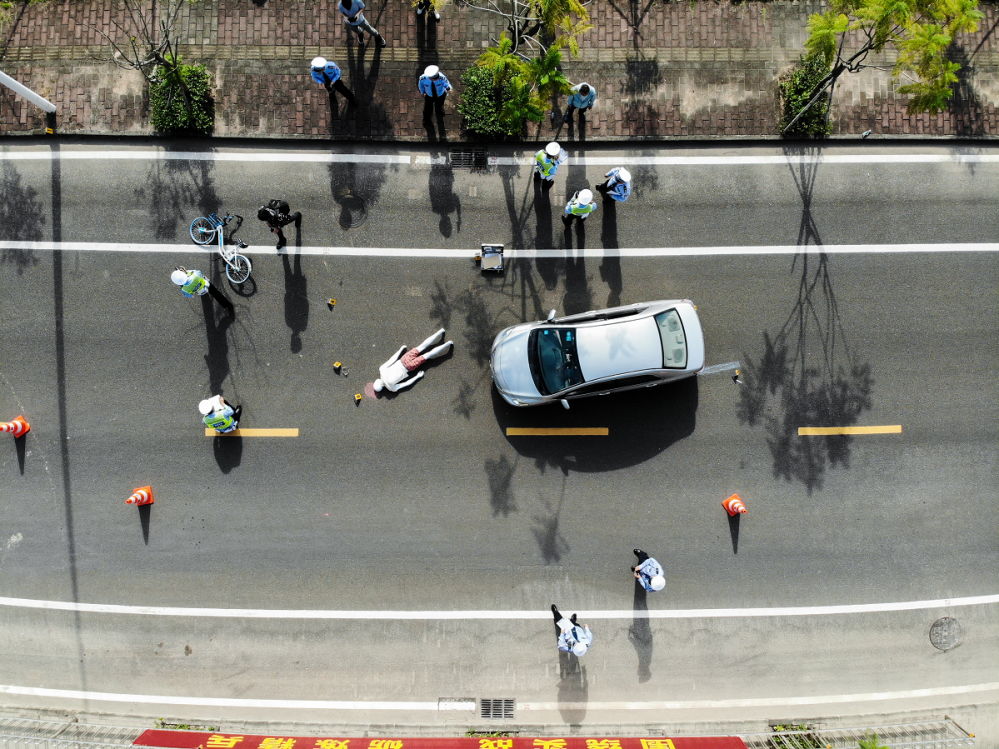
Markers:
(598, 352)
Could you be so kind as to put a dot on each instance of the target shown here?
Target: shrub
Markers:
(478, 104)
(181, 101)
(795, 89)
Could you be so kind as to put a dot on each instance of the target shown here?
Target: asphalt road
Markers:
(421, 502)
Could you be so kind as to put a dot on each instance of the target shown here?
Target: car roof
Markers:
(615, 347)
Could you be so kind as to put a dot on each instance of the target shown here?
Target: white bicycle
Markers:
(205, 229)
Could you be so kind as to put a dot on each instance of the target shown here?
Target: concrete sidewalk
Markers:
(661, 70)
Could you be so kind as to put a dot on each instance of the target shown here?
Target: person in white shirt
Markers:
(395, 372)
(572, 638)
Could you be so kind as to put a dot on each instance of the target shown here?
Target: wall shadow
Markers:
(296, 300)
(642, 423)
(640, 633)
(21, 218)
(806, 374)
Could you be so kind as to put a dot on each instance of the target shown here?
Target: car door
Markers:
(606, 387)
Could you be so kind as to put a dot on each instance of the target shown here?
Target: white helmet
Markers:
(318, 63)
(431, 71)
(585, 196)
(579, 649)
(205, 407)
(379, 385)
(624, 174)
(553, 149)
(179, 277)
(658, 582)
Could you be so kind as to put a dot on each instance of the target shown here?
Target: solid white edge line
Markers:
(468, 254)
(416, 159)
(73, 694)
(858, 608)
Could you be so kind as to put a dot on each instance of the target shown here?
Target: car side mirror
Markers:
(551, 316)
(565, 404)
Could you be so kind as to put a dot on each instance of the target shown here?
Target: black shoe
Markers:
(382, 42)
(554, 609)
(360, 43)
(280, 244)
(573, 618)
(638, 552)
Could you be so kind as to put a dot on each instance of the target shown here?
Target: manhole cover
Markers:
(946, 633)
(353, 212)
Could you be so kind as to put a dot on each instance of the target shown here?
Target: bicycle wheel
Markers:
(202, 231)
(238, 269)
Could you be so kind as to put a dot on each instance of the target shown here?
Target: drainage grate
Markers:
(945, 734)
(468, 158)
(496, 709)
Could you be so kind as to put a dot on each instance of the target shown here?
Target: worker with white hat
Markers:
(618, 184)
(327, 74)
(219, 415)
(579, 206)
(548, 160)
(649, 572)
(435, 87)
(572, 638)
(193, 283)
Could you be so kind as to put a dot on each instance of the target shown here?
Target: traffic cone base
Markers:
(141, 496)
(18, 427)
(734, 506)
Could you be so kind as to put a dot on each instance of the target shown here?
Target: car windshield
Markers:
(674, 342)
(554, 365)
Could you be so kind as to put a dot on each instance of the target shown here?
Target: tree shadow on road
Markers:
(21, 218)
(179, 190)
(806, 375)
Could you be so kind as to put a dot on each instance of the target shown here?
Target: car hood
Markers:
(511, 370)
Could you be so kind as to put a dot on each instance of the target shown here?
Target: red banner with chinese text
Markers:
(195, 740)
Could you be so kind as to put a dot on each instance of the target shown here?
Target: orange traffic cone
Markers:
(734, 506)
(18, 427)
(142, 496)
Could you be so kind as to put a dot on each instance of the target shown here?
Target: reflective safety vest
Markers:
(196, 283)
(580, 209)
(219, 422)
(546, 167)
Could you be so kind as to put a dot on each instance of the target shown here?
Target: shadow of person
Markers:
(733, 530)
(228, 452)
(548, 267)
(443, 199)
(296, 300)
(500, 476)
(573, 690)
(335, 123)
(217, 357)
(640, 633)
(144, 512)
(577, 289)
(610, 266)
(20, 448)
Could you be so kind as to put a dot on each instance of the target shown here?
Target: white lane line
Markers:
(151, 699)
(822, 699)
(415, 159)
(856, 608)
(418, 253)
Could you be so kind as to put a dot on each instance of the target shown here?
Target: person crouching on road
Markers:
(395, 372)
(219, 415)
(618, 184)
(648, 572)
(572, 638)
(276, 215)
(193, 283)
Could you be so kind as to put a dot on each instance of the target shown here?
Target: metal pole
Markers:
(27, 93)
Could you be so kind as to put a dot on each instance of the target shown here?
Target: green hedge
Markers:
(795, 89)
(478, 104)
(171, 114)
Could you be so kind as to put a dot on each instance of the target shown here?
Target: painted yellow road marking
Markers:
(209, 432)
(557, 432)
(820, 431)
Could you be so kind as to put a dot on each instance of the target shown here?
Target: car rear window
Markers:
(674, 341)
(554, 364)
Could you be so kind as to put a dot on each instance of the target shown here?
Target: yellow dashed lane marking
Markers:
(557, 432)
(209, 432)
(820, 431)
